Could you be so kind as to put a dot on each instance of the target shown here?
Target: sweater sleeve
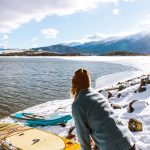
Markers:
(81, 127)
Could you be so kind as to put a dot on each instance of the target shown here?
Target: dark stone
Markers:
(110, 94)
(118, 83)
(134, 125)
(100, 91)
(71, 129)
(130, 108)
(119, 95)
(121, 87)
(70, 136)
(143, 82)
(141, 89)
(115, 106)
(148, 79)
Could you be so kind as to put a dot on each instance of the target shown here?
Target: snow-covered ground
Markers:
(123, 97)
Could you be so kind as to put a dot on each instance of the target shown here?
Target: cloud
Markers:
(116, 11)
(95, 37)
(100, 37)
(143, 24)
(15, 13)
(89, 38)
(50, 33)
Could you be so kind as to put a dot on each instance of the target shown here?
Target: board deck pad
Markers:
(27, 138)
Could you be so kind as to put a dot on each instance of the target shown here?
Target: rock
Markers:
(143, 82)
(70, 130)
(142, 89)
(121, 87)
(106, 93)
(100, 91)
(71, 136)
(130, 108)
(119, 83)
(137, 106)
(110, 94)
(148, 79)
(135, 125)
(124, 106)
(62, 124)
(115, 106)
(119, 95)
(134, 82)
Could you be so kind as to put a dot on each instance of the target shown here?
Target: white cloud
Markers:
(34, 42)
(116, 11)
(50, 33)
(15, 13)
(95, 37)
(143, 24)
(100, 37)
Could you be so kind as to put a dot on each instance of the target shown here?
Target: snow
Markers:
(127, 95)
(111, 79)
(11, 51)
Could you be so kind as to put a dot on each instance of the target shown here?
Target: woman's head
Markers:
(81, 80)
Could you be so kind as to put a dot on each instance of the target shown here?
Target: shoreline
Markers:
(113, 78)
(122, 99)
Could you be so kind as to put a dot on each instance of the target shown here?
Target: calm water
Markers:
(25, 82)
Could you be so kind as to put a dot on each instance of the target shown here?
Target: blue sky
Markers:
(34, 23)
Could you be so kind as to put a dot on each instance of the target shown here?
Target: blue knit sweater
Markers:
(94, 117)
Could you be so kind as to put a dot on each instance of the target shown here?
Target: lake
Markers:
(28, 81)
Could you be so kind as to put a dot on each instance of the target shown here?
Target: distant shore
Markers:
(46, 53)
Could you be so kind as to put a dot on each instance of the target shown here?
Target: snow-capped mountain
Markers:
(137, 43)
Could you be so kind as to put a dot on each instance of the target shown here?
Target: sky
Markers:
(35, 23)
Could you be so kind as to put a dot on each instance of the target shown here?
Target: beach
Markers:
(123, 90)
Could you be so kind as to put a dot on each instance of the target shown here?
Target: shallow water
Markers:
(25, 82)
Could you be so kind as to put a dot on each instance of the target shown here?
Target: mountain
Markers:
(59, 48)
(136, 43)
(72, 44)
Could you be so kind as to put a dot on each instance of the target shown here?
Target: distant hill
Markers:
(59, 48)
(137, 43)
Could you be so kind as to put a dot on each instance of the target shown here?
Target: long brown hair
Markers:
(81, 80)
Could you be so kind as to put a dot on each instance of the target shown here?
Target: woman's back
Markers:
(94, 116)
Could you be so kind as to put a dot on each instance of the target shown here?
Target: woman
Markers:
(94, 117)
